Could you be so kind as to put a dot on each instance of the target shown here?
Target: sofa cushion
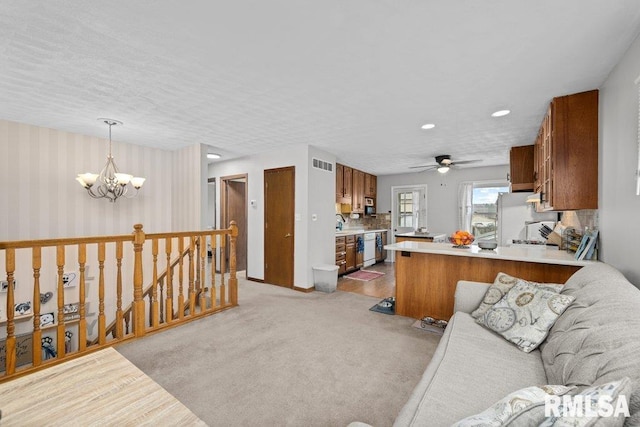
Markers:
(579, 414)
(597, 339)
(501, 285)
(522, 407)
(471, 369)
(525, 314)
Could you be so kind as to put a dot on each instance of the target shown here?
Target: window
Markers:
(478, 206)
(484, 217)
(405, 209)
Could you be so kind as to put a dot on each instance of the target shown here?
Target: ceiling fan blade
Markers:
(462, 162)
(423, 166)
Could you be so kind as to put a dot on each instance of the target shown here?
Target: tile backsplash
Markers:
(379, 222)
(580, 219)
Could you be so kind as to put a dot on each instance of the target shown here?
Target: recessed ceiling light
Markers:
(428, 126)
(213, 156)
(500, 113)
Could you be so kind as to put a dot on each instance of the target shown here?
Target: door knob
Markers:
(287, 235)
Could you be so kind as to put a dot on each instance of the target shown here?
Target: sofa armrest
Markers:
(469, 295)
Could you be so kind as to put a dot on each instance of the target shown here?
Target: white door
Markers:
(409, 210)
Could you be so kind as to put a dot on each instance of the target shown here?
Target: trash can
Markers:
(325, 277)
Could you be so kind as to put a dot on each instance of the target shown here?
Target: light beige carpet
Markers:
(101, 388)
(289, 358)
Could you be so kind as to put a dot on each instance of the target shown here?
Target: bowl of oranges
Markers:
(461, 239)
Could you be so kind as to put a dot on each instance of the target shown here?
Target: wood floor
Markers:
(101, 388)
(382, 287)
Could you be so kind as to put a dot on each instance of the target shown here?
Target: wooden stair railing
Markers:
(34, 341)
(111, 329)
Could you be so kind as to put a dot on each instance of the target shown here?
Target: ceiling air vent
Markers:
(321, 164)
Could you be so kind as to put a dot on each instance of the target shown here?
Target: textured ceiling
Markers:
(357, 78)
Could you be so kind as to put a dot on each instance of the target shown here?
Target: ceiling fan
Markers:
(444, 162)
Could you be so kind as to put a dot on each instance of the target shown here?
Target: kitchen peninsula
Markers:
(427, 273)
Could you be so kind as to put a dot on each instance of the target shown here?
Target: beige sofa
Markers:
(595, 341)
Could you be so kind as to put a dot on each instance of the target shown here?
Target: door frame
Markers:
(223, 209)
(422, 219)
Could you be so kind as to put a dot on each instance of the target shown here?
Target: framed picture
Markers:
(24, 350)
(4, 285)
(22, 308)
(71, 311)
(69, 279)
(47, 319)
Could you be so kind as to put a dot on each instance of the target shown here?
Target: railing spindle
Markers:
(162, 300)
(233, 281)
(60, 348)
(82, 325)
(155, 307)
(102, 322)
(214, 247)
(10, 343)
(202, 274)
(223, 267)
(192, 261)
(169, 301)
(119, 314)
(36, 352)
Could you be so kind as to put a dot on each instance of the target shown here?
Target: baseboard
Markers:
(305, 290)
(253, 279)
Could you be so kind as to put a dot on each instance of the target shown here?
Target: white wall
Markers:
(619, 206)
(314, 194)
(321, 244)
(40, 197)
(442, 192)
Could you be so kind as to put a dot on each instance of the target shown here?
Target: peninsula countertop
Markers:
(534, 253)
(349, 232)
(425, 236)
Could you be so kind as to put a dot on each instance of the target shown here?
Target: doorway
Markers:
(234, 208)
(279, 226)
(408, 210)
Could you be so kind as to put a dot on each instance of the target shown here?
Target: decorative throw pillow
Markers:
(524, 406)
(525, 314)
(501, 285)
(602, 399)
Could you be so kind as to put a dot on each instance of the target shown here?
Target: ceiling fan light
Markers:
(500, 113)
(443, 169)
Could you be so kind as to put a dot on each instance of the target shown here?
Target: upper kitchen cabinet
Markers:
(344, 179)
(370, 185)
(357, 196)
(521, 168)
(566, 154)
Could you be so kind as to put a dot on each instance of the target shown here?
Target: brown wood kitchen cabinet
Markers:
(341, 253)
(521, 168)
(357, 195)
(370, 185)
(344, 179)
(351, 253)
(566, 154)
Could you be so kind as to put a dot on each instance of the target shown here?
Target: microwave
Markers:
(369, 210)
(368, 201)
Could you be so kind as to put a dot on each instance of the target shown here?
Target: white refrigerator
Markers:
(513, 215)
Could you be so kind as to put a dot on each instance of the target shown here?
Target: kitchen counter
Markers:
(533, 253)
(348, 232)
(429, 237)
(427, 273)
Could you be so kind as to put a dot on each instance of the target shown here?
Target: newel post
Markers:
(233, 281)
(138, 302)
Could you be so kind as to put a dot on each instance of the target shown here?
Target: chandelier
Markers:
(110, 183)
